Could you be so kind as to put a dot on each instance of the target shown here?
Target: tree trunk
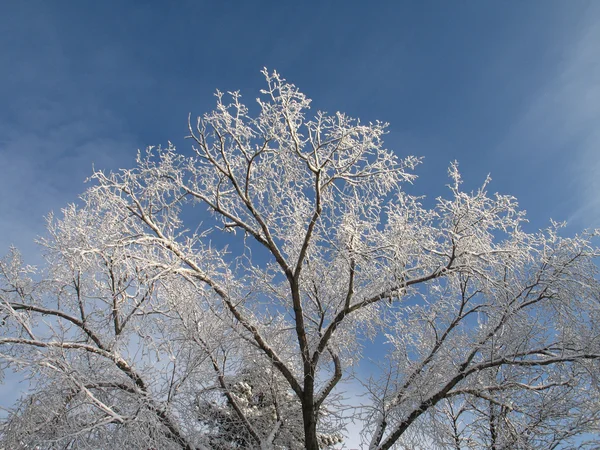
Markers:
(493, 431)
(310, 426)
(309, 414)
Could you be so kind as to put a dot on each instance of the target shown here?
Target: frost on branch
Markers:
(154, 325)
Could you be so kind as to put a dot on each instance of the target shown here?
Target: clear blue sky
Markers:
(507, 87)
(510, 88)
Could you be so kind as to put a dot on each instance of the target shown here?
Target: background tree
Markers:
(517, 416)
(146, 320)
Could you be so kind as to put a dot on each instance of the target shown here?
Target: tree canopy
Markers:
(153, 325)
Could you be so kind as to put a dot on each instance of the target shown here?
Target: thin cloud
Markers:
(56, 122)
(560, 128)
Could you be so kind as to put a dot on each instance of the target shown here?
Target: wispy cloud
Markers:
(561, 126)
(55, 122)
(580, 83)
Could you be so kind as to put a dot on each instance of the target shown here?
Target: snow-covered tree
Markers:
(155, 325)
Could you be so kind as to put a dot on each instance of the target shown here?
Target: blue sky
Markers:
(510, 88)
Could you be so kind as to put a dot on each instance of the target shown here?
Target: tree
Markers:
(151, 328)
(513, 418)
